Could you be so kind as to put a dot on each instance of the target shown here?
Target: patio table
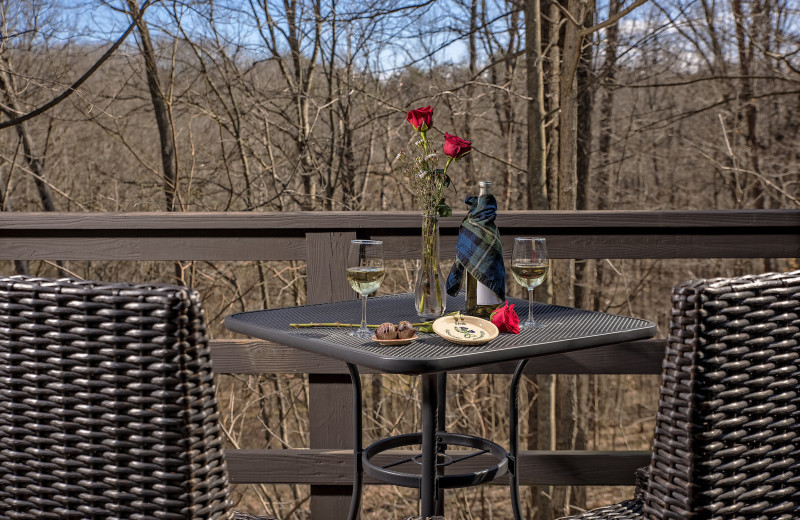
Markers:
(563, 329)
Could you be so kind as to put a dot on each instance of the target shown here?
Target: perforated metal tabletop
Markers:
(564, 329)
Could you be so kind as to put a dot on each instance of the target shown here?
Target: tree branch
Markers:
(612, 20)
(72, 88)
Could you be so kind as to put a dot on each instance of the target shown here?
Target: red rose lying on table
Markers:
(506, 319)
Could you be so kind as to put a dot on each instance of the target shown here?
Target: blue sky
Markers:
(424, 36)
(405, 36)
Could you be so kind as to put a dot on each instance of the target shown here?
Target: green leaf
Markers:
(443, 210)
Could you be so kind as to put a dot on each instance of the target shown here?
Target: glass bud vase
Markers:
(429, 288)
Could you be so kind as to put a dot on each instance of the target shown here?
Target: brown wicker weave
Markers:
(726, 443)
(107, 406)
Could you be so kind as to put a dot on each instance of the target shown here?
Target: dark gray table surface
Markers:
(564, 329)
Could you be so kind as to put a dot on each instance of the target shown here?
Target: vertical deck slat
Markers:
(330, 413)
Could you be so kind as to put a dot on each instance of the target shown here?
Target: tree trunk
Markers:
(603, 185)
(469, 169)
(11, 109)
(37, 167)
(745, 47)
(542, 418)
(578, 386)
(585, 99)
(161, 109)
(510, 66)
(539, 412)
(586, 85)
(303, 80)
(551, 34)
(569, 391)
(564, 271)
(537, 145)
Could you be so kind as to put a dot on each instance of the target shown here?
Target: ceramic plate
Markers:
(465, 330)
(395, 342)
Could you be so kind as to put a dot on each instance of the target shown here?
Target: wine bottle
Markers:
(481, 301)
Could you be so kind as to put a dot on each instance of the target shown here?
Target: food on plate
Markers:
(386, 331)
(405, 330)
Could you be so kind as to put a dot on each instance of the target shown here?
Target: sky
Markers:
(423, 36)
(426, 34)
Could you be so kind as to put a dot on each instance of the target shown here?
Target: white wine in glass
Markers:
(529, 266)
(365, 274)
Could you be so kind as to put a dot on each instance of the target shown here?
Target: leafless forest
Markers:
(246, 105)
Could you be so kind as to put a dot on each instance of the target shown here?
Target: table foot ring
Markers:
(410, 480)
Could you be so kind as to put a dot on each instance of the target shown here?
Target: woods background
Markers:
(300, 105)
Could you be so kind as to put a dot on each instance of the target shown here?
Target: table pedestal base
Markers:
(443, 460)
(431, 481)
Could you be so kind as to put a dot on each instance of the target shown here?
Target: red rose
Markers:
(456, 147)
(506, 319)
(421, 119)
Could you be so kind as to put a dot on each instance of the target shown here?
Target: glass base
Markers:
(362, 333)
(431, 297)
(427, 316)
(530, 324)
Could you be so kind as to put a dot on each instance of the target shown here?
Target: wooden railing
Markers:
(320, 239)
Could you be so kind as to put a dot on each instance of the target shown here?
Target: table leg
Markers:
(358, 469)
(513, 413)
(428, 491)
(441, 420)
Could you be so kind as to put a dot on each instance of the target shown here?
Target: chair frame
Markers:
(107, 405)
(727, 437)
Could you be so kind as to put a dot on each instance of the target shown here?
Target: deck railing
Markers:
(320, 238)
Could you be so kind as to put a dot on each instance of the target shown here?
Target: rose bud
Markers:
(386, 331)
(421, 119)
(405, 330)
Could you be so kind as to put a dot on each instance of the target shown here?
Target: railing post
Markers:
(329, 411)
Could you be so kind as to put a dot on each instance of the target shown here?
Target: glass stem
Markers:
(530, 305)
(364, 312)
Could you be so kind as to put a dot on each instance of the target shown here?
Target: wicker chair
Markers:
(727, 436)
(107, 406)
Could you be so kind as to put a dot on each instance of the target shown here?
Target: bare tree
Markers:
(503, 75)
(10, 108)
(160, 96)
(537, 142)
(302, 35)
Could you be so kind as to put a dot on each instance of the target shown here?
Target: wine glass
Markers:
(365, 274)
(529, 265)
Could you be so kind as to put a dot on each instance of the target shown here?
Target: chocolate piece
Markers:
(386, 331)
(405, 330)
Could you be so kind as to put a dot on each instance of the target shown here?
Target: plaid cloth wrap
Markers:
(479, 249)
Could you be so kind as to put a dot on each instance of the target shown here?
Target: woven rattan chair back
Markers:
(726, 443)
(107, 406)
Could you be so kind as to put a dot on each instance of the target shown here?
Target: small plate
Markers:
(395, 342)
(465, 330)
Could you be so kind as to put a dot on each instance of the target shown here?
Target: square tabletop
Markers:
(563, 329)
